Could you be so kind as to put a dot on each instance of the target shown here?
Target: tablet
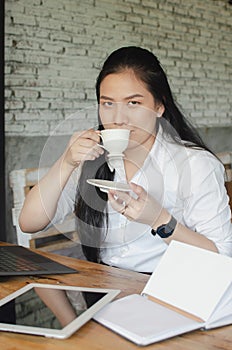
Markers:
(51, 310)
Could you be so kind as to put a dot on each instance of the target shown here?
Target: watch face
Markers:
(167, 230)
(163, 232)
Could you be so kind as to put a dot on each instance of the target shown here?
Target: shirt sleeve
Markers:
(207, 210)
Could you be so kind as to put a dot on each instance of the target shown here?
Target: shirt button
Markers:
(124, 250)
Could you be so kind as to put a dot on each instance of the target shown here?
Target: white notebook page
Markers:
(190, 278)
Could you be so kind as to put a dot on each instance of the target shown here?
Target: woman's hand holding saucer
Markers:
(142, 208)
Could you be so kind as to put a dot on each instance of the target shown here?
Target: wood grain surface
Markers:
(92, 335)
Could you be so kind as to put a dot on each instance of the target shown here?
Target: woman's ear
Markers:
(160, 111)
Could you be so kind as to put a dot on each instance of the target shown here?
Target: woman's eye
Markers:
(107, 104)
(133, 103)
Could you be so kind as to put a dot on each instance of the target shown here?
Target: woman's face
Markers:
(126, 103)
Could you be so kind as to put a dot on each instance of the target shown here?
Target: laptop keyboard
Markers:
(10, 262)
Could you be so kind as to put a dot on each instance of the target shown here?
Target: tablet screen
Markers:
(50, 308)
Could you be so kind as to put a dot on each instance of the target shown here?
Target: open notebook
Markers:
(191, 288)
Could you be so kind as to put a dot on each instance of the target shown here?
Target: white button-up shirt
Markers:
(188, 182)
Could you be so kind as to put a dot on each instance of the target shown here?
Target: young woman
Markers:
(177, 184)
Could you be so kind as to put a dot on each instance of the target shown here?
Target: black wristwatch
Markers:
(165, 231)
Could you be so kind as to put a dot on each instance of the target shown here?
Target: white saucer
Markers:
(105, 185)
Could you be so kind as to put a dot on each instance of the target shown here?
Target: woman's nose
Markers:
(120, 115)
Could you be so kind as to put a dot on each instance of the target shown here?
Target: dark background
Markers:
(2, 136)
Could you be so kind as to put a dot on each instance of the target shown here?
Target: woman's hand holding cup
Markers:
(83, 146)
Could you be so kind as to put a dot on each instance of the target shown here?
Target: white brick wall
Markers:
(54, 48)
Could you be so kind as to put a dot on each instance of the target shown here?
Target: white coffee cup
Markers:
(115, 141)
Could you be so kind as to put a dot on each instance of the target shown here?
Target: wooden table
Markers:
(93, 335)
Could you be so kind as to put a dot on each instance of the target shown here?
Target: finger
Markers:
(91, 134)
(86, 142)
(92, 143)
(82, 145)
(87, 135)
(116, 203)
(97, 151)
(87, 149)
(139, 190)
(80, 153)
(122, 196)
(89, 154)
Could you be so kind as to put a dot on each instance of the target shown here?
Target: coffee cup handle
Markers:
(101, 146)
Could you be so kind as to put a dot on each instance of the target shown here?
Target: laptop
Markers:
(17, 260)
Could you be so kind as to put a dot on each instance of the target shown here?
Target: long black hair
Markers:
(90, 204)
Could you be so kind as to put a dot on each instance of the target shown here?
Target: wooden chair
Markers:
(226, 159)
(56, 237)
